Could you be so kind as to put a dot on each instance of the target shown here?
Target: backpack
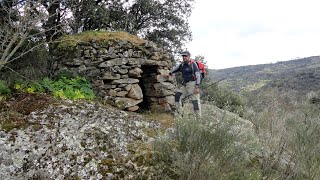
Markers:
(201, 67)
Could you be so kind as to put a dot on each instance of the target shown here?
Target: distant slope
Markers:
(302, 75)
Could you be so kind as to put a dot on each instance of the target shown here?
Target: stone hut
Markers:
(124, 70)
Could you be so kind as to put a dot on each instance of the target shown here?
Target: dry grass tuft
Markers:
(166, 120)
(70, 41)
(13, 112)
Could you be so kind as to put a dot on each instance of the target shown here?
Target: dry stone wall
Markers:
(125, 74)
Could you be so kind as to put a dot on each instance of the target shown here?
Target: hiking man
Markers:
(191, 82)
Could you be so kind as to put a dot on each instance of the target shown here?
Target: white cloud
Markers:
(233, 33)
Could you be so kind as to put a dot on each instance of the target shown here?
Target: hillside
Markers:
(64, 139)
(301, 75)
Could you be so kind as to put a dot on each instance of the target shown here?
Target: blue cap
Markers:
(185, 53)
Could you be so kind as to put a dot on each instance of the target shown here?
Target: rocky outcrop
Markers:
(77, 140)
(126, 74)
(88, 140)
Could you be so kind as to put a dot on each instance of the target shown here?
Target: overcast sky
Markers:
(230, 33)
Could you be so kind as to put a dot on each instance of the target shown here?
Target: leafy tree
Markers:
(52, 24)
(163, 22)
(96, 15)
(201, 59)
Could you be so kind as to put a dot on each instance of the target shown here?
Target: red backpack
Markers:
(201, 67)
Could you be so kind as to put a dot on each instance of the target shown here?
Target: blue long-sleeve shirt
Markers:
(189, 71)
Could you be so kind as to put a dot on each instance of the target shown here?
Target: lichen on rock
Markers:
(76, 139)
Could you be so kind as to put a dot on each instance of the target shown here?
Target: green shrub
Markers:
(203, 149)
(74, 88)
(4, 89)
(223, 99)
(65, 88)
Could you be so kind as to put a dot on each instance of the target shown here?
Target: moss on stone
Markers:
(69, 42)
(142, 152)
(8, 126)
(104, 148)
(36, 126)
(166, 120)
(87, 159)
(13, 120)
(107, 162)
(105, 166)
(150, 132)
(121, 104)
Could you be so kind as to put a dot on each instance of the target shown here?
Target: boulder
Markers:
(135, 92)
(123, 103)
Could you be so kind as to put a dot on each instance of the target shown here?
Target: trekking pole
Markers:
(183, 99)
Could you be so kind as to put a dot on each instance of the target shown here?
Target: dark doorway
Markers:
(147, 81)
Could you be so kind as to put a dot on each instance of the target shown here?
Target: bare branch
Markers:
(22, 23)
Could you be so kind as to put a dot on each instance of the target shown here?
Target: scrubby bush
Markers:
(223, 98)
(288, 127)
(203, 149)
